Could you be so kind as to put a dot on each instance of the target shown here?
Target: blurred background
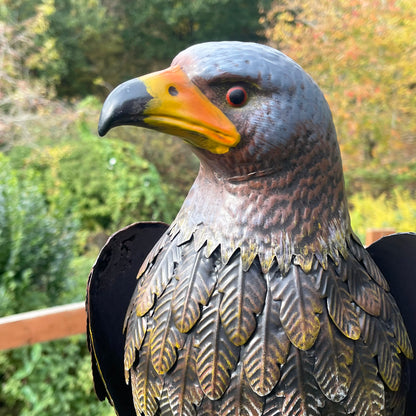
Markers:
(63, 190)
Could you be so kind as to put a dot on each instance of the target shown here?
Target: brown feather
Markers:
(240, 399)
(297, 386)
(165, 338)
(366, 395)
(391, 315)
(243, 298)
(268, 347)
(196, 282)
(217, 355)
(146, 383)
(156, 280)
(338, 301)
(136, 331)
(364, 291)
(300, 304)
(382, 343)
(185, 393)
(334, 355)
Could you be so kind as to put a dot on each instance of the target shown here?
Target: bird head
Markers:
(262, 128)
(242, 106)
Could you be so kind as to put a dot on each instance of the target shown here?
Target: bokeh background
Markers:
(63, 190)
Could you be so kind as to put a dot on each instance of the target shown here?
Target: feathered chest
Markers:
(207, 337)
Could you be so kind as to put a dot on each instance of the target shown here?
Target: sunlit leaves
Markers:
(361, 53)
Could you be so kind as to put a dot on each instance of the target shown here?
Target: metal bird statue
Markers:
(258, 299)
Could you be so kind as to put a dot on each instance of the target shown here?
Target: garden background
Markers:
(63, 190)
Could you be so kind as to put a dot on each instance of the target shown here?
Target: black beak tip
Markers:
(124, 106)
(103, 126)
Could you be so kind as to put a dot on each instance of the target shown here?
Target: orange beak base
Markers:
(169, 102)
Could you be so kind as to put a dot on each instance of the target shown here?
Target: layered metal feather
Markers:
(241, 342)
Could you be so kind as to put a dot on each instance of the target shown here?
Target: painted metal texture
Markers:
(258, 299)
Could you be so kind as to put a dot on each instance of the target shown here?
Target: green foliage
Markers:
(106, 183)
(36, 244)
(102, 184)
(51, 379)
(396, 211)
(82, 46)
(173, 159)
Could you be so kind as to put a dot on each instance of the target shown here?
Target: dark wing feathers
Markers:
(300, 304)
(243, 298)
(267, 349)
(165, 338)
(301, 394)
(196, 283)
(394, 319)
(395, 402)
(380, 339)
(366, 396)
(155, 282)
(205, 339)
(217, 355)
(334, 355)
(145, 382)
(209, 407)
(182, 385)
(99, 384)
(110, 286)
(135, 333)
(240, 399)
(364, 291)
(164, 405)
(395, 256)
(273, 404)
(161, 243)
(339, 302)
(374, 271)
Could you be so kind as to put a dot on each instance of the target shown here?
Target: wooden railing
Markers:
(62, 321)
(374, 234)
(42, 325)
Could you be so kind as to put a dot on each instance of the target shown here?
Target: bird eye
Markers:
(236, 96)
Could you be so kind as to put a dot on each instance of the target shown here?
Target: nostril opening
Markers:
(173, 91)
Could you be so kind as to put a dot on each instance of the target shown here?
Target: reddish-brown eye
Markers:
(236, 96)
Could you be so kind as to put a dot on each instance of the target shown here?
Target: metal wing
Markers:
(395, 255)
(110, 286)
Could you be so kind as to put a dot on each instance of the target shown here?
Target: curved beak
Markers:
(125, 105)
(169, 102)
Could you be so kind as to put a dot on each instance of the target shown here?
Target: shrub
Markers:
(37, 242)
(396, 210)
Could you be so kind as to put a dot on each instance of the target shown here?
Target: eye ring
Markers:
(236, 96)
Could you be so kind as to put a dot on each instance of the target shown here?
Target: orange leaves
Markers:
(361, 54)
